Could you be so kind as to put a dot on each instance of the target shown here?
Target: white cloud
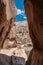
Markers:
(20, 11)
(25, 17)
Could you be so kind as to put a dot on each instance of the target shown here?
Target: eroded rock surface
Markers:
(22, 32)
(4, 23)
(5, 60)
(11, 60)
(7, 19)
(12, 56)
(33, 9)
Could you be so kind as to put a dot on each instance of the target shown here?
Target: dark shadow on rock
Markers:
(5, 60)
(28, 62)
(18, 60)
(11, 60)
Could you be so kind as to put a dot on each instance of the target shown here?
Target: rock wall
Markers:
(3, 21)
(33, 9)
(13, 7)
(7, 19)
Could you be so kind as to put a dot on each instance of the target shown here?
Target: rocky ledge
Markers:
(12, 56)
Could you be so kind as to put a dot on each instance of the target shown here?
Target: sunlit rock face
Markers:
(10, 9)
(14, 9)
(11, 38)
(33, 10)
(7, 19)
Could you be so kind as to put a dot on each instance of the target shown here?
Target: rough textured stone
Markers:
(9, 43)
(33, 9)
(11, 60)
(11, 38)
(4, 23)
(12, 56)
(22, 32)
(15, 52)
(29, 58)
(7, 19)
(13, 8)
(18, 60)
(5, 60)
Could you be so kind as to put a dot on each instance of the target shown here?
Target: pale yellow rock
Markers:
(14, 52)
(10, 10)
(12, 33)
(11, 14)
(9, 44)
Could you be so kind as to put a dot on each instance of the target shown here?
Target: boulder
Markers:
(15, 52)
(11, 60)
(12, 56)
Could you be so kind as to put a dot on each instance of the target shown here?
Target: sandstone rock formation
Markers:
(22, 32)
(3, 21)
(11, 60)
(15, 52)
(12, 56)
(7, 19)
(12, 4)
(34, 13)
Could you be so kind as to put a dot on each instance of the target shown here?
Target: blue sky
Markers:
(20, 10)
